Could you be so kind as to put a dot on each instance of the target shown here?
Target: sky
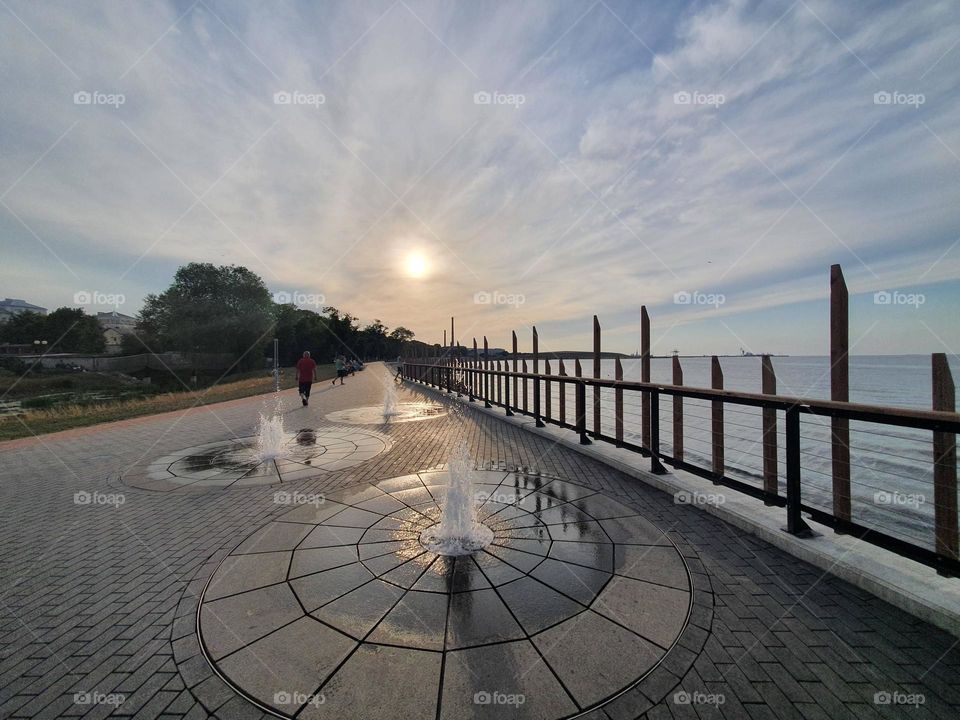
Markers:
(507, 163)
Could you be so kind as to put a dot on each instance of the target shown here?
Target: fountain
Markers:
(390, 401)
(458, 532)
(270, 435)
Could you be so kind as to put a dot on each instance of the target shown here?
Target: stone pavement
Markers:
(101, 580)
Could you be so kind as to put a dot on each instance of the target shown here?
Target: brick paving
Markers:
(98, 601)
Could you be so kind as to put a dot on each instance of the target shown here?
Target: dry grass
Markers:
(64, 417)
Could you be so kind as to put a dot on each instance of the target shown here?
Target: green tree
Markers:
(210, 309)
(66, 330)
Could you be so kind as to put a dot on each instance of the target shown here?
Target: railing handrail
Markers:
(939, 421)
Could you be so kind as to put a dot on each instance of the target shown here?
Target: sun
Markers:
(416, 265)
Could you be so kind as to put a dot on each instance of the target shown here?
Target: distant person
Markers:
(399, 368)
(306, 375)
(341, 367)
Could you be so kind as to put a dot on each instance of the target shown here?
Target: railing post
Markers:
(944, 462)
(473, 373)
(486, 373)
(618, 402)
(536, 379)
(547, 390)
(506, 390)
(581, 410)
(453, 342)
(840, 391)
(677, 412)
(499, 385)
(596, 374)
(563, 395)
(656, 467)
(516, 395)
(523, 366)
(795, 522)
(644, 377)
(768, 383)
(716, 422)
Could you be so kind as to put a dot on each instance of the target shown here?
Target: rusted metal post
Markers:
(523, 367)
(596, 374)
(840, 391)
(716, 378)
(499, 385)
(677, 412)
(453, 342)
(486, 373)
(768, 385)
(944, 461)
(516, 395)
(645, 376)
(444, 338)
(547, 390)
(563, 395)
(618, 402)
(536, 380)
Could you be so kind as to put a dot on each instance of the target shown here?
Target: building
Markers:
(115, 325)
(12, 306)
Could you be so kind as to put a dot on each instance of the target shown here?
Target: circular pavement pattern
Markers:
(336, 609)
(373, 414)
(235, 463)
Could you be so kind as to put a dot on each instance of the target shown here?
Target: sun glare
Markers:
(416, 265)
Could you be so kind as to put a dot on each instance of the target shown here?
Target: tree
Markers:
(66, 330)
(210, 309)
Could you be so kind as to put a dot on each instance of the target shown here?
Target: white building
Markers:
(115, 325)
(11, 306)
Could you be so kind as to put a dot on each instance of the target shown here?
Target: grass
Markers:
(40, 420)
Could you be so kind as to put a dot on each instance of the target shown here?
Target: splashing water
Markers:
(458, 533)
(390, 401)
(270, 435)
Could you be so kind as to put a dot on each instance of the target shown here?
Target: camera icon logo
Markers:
(82, 297)
(882, 298)
(482, 298)
(82, 97)
(682, 98)
(682, 298)
(82, 498)
(884, 697)
(681, 697)
(282, 98)
(481, 98)
(282, 297)
(482, 698)
(882, 98)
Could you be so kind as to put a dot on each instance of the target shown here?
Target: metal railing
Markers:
(488, 381)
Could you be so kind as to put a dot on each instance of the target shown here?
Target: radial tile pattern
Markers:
(236, 463)
(337, 610)
(373, 414)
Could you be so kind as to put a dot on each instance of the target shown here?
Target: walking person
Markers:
(340, 365)
(306, 375)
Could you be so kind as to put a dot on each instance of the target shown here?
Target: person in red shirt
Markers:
(306, 374)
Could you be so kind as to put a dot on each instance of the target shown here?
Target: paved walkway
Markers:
(98, 599)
